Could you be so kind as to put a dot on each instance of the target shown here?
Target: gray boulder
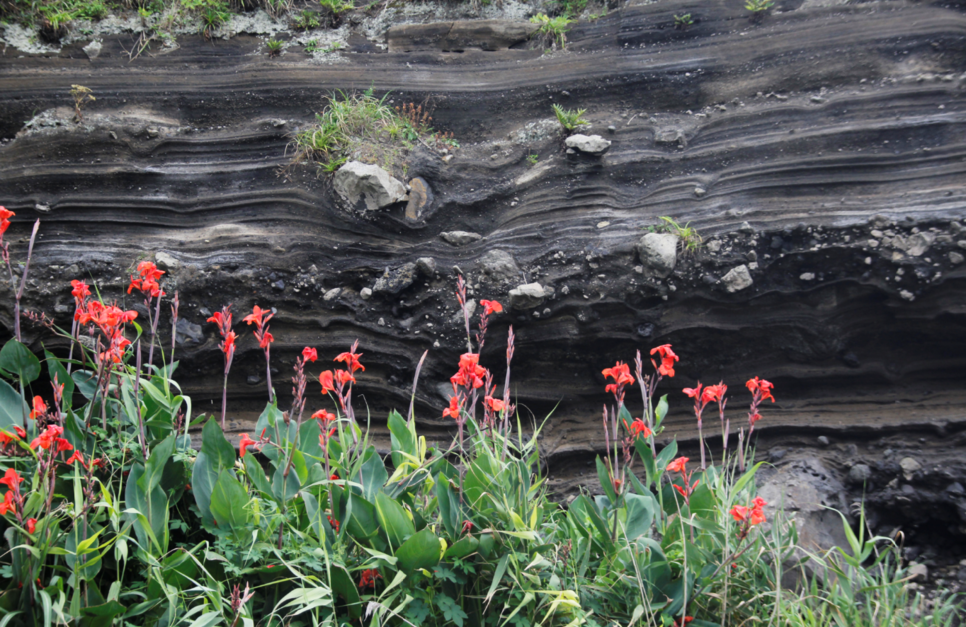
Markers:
(527, 296)
(737, 279)
(357, 181)
(395, 281)
(500, 266)
(658, 253)
(590, 144)
(188, 333)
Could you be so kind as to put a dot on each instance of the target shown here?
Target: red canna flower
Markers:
(621, 373)
(351, 360)
(40, 408)
(368, 578)
(327, 382)
(467, 526)
(638, 428)
(80, 290)
(685, 621)
(678, 465)
(76, 457)
(244, 443)
(491, 306)
(333, 522)
(11, 479)
(20, 431)
(257, 316)
(494, 405)
(31, 525)
(48, 437)
(6, 438)
(265, 339)
(5, 215)
(334, 476)
(668, 358)
(453, 411)
(324, 416)
(63, 445)
(7, 505)
(739, 513)
(761, 386)
(309, 354)
(343, 376)
(228, 346)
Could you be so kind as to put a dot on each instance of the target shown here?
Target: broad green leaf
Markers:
(256, 474)
(216, 455)
(403, 438)
(229, 503)
(345, 587)
(462, 548)
(420, 551)
(285, 487)
(640, 515)
(86, 382)
(12, 407)
(17, 361)
(605, 483)
(154, 469)
(216, 446)
(374, 474)
(665, 456)
(449, 507)
(393, 519)
(497, 576)
(152, 505)
(660, 411)
(100, 615)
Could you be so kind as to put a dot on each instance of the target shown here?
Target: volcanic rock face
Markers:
(820, 154)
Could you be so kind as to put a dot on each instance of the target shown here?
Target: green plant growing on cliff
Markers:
(758, 8)
(81, 95)
(688, 237)
(274, 47)
(362, 127)
(552, 30)
(570, 119)
(306, 20)
(337, 6)
(683, 22)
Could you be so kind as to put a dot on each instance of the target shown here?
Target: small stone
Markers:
(699, 192)
(777, 242)
(918, 572)
(420, 196)
(859, 474)
(823, 440)
(807, 276)
(713, 246)
(365, 293)
(961, 243)
(188, 333)
(776, 455)
(612, 128)
(332, 294)
(817, 99)
(460, 238)
(873, 243)
(153, 131)
(253, 379)
(907, 295)
(589, 144)
(737, 279)
(876, 233)
(382, 322)
(565, 290)
(166, 261)
(426, 266)
(909, 467)
(93, 49)
(955, 488)
(527, 296)
(546, 312)
(955, 258)
(746, 228)
(279, 285)
(603, 225)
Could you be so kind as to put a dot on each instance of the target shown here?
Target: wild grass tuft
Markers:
(553, 30)
(570, 119)
(690, 239)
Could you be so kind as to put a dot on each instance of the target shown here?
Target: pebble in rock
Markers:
(460, 238)
(332, 294)
(823, 440)
(365, 293)
(859, 474)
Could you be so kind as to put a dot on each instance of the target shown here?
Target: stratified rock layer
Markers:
(828, 145)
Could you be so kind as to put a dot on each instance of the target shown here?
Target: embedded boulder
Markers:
(658, 253)
(527, 296)
(590, 144)
(737, 279)
(359, 182)
(500, 266)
